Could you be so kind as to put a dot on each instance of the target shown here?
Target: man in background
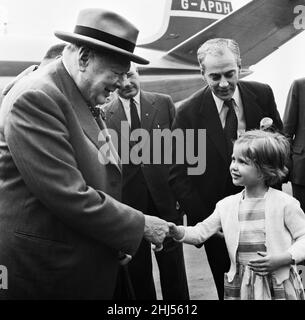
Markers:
(294, 128)
(225, 107)
(145, 187)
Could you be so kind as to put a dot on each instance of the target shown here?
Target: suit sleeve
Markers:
(274, 113)
(291, 112)
(39, 141)
(181, 183)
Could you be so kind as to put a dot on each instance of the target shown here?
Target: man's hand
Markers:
(176, 232)
(155, 229)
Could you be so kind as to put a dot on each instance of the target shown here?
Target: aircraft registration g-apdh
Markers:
(260, 27)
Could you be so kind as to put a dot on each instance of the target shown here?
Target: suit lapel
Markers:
(252, 111)
(87, 122)
(211, 122)
(116, 115)
(148, 110)
(148, 113)
(81, 109)
(113, 155)
(208, 111)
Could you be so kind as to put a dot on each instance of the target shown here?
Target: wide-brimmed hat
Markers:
(103, 29)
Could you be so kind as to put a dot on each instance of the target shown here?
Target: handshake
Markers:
(156, 230)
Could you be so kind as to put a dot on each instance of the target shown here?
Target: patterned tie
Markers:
(231, 125)
(97, 112)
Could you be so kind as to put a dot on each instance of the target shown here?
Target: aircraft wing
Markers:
(260, 27)
(19, 52)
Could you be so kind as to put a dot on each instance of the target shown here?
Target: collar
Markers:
(219, 102)
(66, 67)
(136, 98)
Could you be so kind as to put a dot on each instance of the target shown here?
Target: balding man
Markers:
(225, 108)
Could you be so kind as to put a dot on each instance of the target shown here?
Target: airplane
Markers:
(260, 27)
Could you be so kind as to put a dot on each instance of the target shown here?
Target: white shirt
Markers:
(126, 106)
(238, 107)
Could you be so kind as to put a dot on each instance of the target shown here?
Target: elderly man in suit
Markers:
(225, 108)
(145, 187)
(61, 224)
(294, 128)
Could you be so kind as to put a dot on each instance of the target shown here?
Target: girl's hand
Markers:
(269, 263)
(176, 232)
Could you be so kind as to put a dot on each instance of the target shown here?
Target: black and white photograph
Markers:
(152, 152)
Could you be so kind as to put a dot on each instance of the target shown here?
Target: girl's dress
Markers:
(248, 285)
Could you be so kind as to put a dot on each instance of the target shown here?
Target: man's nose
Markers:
(223, 82)
(123, 81)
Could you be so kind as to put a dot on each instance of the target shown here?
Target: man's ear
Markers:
(84, 55)
(203, 76)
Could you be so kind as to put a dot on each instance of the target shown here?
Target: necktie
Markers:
(231, 125)
(98, 114)
(97, 111)
(135, 122)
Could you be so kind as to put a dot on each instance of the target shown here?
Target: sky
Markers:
(41, 17)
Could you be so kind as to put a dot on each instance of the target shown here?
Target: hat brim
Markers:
(97, 44)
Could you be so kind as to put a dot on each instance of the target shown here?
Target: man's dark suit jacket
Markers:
(60, 226)
(145, 187)
(199, 194)
(157, 112)
(294, 127)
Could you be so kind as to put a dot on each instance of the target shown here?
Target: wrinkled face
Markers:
(243, 171)
(101, 77)
(131, 85)
(221, 74)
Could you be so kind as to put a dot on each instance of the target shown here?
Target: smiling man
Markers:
(61, 223)
(225, 108)
(145, 187)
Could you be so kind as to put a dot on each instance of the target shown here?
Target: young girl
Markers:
(264, 228)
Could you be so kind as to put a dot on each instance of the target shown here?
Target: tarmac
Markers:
(199, 276)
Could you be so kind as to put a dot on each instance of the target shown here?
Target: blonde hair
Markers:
(269, 152)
